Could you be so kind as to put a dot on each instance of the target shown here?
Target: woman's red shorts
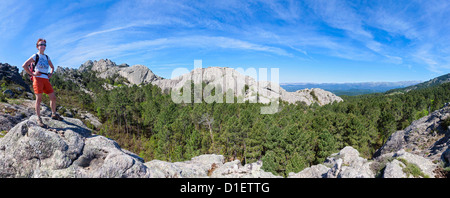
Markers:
(42, 85)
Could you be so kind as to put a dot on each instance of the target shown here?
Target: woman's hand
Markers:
(36, 73)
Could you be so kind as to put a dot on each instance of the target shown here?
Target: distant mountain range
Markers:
(350, 89)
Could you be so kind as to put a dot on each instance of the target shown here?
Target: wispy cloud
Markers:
(436, 60)
(394, 19)
(108, 30)
(289, 11)
(12, 19)
(95, 50)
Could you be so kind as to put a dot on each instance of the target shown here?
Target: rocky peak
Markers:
(103, 65)
(138, 74)
(247, 87)
(226, 78)
(5, 67)
(86, 66)
(309, 96)
(105, 68)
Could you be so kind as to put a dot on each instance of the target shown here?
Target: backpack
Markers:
(33, 65)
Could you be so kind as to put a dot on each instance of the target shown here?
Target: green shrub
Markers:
(412, 169)
(421, 114)
(313, 94)
(3, 133)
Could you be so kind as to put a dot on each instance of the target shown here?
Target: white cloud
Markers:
(97, 50)
(289, 12)
(13, 18)
(394, 59)
(436, 60)
(108, 30)
(339, 15)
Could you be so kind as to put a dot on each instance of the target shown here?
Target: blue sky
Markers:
(309, 41)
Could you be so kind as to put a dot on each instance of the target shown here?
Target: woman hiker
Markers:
(40, 76)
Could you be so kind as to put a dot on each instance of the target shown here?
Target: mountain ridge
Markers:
(429, 83)
(223, 78)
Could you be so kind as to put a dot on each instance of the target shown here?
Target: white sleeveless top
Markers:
(42, 65)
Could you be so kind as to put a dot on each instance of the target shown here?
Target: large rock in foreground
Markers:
(204, 166)
(348, 164)
(345, 164)
(67, 149)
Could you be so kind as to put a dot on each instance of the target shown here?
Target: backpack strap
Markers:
(33, 65)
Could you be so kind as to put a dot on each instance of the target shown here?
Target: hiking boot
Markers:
(55, 116)
(40, 123)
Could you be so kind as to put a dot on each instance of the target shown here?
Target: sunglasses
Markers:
(43, 45)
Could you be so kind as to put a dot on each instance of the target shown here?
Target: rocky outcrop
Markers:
(12, 114)
(426, 137)
(136, 75)
(14, 84)
(345, 164)
(247, 88)
(21, 109)
(401, 164)
(417, 151)
(309, 96)
(204, 166)
(348, 164)
(64, 149)
(68, 149)
(222, 78)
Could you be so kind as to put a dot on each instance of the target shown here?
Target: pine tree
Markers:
(326, 145)
(193, 145)
(254, 142)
